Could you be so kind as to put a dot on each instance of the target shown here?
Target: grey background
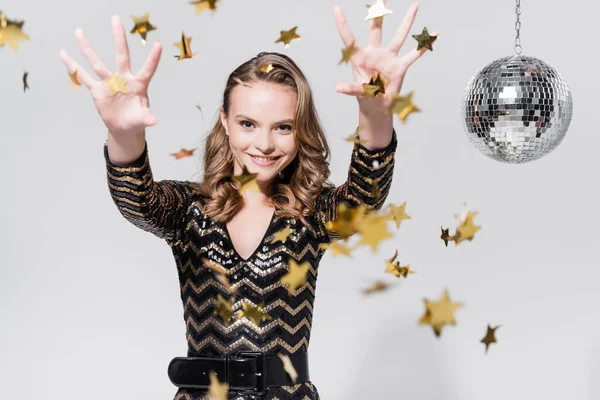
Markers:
(90, 306)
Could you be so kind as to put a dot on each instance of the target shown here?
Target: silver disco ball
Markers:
(516, 109)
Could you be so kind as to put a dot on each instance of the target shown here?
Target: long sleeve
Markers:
(155, 207)
(366, 166)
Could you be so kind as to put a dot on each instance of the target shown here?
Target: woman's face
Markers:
(261, 124)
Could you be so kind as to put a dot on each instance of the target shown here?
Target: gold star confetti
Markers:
(425, 40)
(397, 214)
(255, 314)
(490, 337)
(287, 36)
(25, 84)
(373, 229)
(354, 137)
(393, 267)
(348, 52)
(378, 286)
(296, 275)
(184, 45)
(347, 219)
(116, 84)
(466, 231)
(375, 86)
(288, 366)
(183, 153)
(217, 390)
(377, 10)
(247, 180)
(440, 313)
(266, 68)
(446, 236)
(142, 26)
(219, 271)
(224, 309)
(336, 247)
(282, 235)
(403, 106)
(203, 5)
(74, 80)
(11, 32)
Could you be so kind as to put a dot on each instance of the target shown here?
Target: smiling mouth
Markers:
(264, 161)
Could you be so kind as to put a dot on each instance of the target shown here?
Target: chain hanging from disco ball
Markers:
(518, 108)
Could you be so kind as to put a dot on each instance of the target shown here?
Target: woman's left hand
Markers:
(366, 61)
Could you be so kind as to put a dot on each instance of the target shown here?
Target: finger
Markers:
(150, 119)
(375, 31)
(123, 62)
(344, 29)
(149, 68)
(350, 88)
(91, 56)
(82, 74)
(403, 29)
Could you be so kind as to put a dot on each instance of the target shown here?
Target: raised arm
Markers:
(156, 207)
(366, 166)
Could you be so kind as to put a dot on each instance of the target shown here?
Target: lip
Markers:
(261, 163)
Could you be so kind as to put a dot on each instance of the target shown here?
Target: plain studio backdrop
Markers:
(90, 306)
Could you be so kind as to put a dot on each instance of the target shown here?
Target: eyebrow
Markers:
(291, 120)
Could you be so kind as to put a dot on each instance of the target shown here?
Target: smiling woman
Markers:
(246, 324)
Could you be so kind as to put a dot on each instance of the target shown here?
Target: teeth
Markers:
(263, 158)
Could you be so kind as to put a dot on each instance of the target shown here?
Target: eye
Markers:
(242, 123)
(288, 126)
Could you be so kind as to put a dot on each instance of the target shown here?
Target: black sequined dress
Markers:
(171, 210)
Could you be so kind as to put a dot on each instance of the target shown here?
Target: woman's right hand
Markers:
(122, 113)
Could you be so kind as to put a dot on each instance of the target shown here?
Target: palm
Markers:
(376, 59)
(121, 112)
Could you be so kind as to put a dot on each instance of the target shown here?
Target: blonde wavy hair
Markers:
(293, 195)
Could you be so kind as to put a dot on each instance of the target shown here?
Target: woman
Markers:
(238, 327)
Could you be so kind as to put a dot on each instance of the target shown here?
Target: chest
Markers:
(248, 229)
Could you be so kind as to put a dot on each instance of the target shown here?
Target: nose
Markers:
(264, 142)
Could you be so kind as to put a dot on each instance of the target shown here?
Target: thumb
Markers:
(352, 89)
(150, 119)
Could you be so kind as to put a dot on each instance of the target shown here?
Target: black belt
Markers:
(244, 371)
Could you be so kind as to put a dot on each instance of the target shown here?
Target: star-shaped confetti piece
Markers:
(116, 84)
(219, 271)
(355, 138)
(296, 275)
(373, 230)
(287, 36)
(403, 106)
(424, 40)
(348, 52)
(282, 234)
(183, 153)
(347, 220)
(375, 86)
(393, 267)
(203, 5)
(288, 366)
(336, 247)
(440, 313)
(266, 68)
(216, 389)
(184, 45)
(490, 337)
(25, 84)
(397, 214)
(255, 314)
(377, 10)
(446, 236)
(467, 230)
(378, 286)
(74, 80)
(224, 309)
(11, 32)
(142, 26)
(247, 180)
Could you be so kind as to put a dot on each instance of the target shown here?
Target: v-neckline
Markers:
(260, 244)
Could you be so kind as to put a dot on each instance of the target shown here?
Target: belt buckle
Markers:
(261, 380)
